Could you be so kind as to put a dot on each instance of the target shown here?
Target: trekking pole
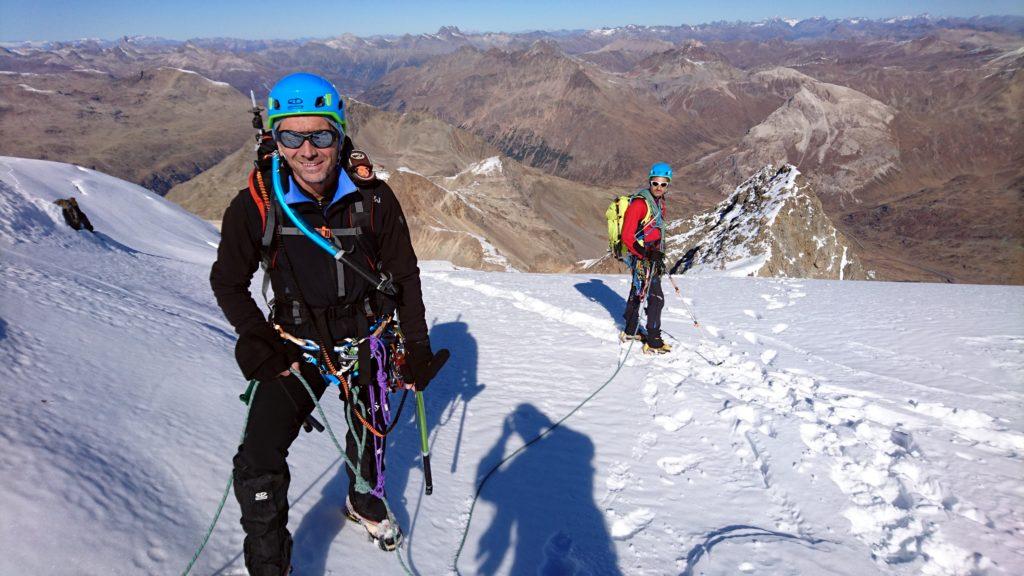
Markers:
(683, 300)
(421, 416)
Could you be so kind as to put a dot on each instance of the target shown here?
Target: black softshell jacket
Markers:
(387, 243)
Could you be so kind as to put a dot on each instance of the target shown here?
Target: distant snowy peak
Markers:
(771, 225)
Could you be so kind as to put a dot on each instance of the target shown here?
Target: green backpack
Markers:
(615, 214)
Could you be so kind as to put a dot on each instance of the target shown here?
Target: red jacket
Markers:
(651, 234)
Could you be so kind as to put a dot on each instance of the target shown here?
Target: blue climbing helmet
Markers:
(661, 170)
(303, 94)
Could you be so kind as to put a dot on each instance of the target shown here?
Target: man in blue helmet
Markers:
(643, 230)
(318, 299)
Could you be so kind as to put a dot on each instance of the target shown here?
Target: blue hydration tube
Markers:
(381, 282)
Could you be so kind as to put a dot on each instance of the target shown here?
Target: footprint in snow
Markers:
(619, 478)
(676, 465)
(768, 356)
(752, 314)
(750, 337)
(556, 556)
(772, 302)
(779, 328)
(632, 523)
(675, 421)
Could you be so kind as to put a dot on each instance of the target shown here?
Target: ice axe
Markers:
(435, 365)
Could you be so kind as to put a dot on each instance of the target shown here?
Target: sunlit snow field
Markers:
(851, 428)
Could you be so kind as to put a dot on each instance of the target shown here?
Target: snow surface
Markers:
(857, 429)
(485, 167)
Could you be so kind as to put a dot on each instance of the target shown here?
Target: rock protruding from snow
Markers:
(771, 225)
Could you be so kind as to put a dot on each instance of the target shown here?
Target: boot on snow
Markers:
(650, 348)
(626, 336)
(386, 533)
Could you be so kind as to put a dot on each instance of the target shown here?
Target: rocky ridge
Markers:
(772, 225)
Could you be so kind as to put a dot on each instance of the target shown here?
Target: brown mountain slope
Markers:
(156, 128)
(546, 109)
(950, 205)
(465, 202)
(842, 137)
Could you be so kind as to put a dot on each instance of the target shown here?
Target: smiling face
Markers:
(659, 186)
(314, 169)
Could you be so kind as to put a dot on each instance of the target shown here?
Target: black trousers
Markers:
(261, 474)
(655, 302)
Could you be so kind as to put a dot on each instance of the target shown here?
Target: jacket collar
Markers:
(295, 194)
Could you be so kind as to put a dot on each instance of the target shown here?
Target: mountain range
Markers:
(909, 130)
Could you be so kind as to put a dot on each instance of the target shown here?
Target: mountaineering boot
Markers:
(663, 349)
(627, 336)
(385, 533)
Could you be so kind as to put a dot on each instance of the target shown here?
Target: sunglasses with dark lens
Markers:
(320, 138)
(660, 184)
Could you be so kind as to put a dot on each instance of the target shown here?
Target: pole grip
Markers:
(426, 474)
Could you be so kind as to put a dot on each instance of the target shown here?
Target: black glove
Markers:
(422, 364)
(654, 255)
(657, 259)
(263, 355)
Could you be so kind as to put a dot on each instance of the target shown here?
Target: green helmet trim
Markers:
(271, 118)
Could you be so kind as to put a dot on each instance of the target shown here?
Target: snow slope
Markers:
(851, 428)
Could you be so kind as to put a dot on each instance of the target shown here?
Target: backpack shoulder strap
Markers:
(653, 210)
(257, 199)
(270, 216)
(267, 206)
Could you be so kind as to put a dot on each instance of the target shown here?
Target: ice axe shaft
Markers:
(421, 416)
(436, 363)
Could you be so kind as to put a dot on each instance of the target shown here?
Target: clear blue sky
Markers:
(182, 19)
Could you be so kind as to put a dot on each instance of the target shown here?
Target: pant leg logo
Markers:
(260, 496)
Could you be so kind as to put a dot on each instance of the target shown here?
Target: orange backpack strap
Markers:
(257, 197)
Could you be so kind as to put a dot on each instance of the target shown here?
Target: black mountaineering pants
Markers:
(655, 302)
(279, 408)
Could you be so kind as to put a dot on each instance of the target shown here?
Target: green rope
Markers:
(361, 484)
(250, 393)
(472, 506)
